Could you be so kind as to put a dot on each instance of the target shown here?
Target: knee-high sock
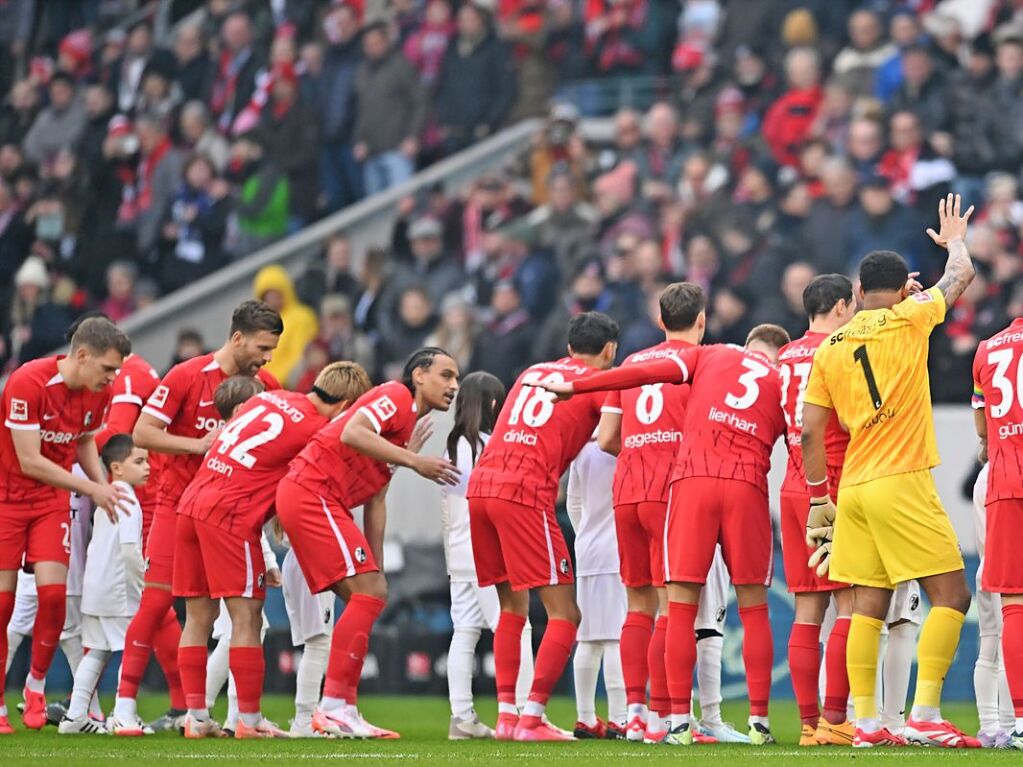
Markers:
(217, 671)
(708, 675)
(1012, 652)
(1006, 712)
(348, 649)
(192, 667)
(586, 669)
(309, 677)
(461, 664)
(165, 648)
(680, 643)
(637, 632)
(6, 611)
(939, 638)
(757, 656)
(73, 652)
(86, 678)
(524, 682)
(986, 673)
(614, 682)
(46, 630)
(13, 642)
(507, 656)
(804, 666)
(861, 663)
(231, 719)
(898, 662)
(660, 697)
(551, 659)
(138, 641)
(836, 686)
(248, 668)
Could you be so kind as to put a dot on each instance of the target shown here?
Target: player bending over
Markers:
(345, 465)
(891, 526)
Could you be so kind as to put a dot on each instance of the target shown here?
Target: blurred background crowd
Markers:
(747, 145)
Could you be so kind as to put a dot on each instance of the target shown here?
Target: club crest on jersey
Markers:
(914, 603)
(260, 579)
(159, 398)
(720, 617)
(384, 408)
(19, 410)
(563, 566)
(360, 555)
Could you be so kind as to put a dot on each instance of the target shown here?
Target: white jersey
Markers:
(81, 520)
(589, 507)
(111, 590)
(455, 517)
(979, 510)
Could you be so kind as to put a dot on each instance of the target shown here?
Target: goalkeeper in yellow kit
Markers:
(890, 525)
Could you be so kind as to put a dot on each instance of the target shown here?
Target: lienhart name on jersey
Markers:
(737, 423)
(659, 437)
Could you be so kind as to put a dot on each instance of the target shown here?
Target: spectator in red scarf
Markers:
(235, 78)
(917, 174)
(426, 46)
(156, 180)
(790, 119)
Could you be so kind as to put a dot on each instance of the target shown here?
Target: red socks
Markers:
(192, 667)
(660, 699)
(681, 654)
(757, 656)
(551, 657)
(508, 655)
(1012, 651)
(248, 668)
(138, 641)
(48, 625)
(6, 611)
(804, 666)
(165, 648)
(635, 644)
(836, 689)
(348, 647)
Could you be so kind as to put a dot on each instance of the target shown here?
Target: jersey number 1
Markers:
(860, 355)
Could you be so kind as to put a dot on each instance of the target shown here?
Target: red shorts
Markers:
(640, 531)
(32, 534)
(1003, 566)
(160, 546)
(705, 511)
(211, 562)
(518, 544)
(328, 545)
(799, 577)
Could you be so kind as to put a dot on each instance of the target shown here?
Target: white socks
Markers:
(525, 681)
(86, 678)
(534, 708)
(73, 651)
(217, 670)
(309, 677)
(35, 685)
(586, 667)
(14, 640)
(461, 663)
(708, 676)
(331, 705)
(985, 682)
(614, 682)
(898, 662)
(125, 709)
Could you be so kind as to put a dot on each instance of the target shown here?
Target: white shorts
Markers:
(989, 608)
(310, 615)
(714, 597)
(905, 604)
(72, 618)
(474, 608)
(222, 625)
(26, 605)
(603, 605)
(104, 633)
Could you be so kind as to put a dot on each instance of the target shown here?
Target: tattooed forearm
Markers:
(958, 274)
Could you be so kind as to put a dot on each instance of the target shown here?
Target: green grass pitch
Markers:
(423, 724)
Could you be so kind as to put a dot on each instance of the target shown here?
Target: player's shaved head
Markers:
(117, 450)
(235, 391)
(774, 336)
(99, 335)
(340, 382)
(883, 270)
(681, 304)
(824, 291)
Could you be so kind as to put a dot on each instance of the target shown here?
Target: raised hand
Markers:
(563, 389)
(421, 432)
(438, 470)
(951, 225)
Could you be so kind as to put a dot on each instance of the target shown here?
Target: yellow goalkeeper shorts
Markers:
(891, 530)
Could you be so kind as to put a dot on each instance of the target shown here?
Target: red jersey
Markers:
(338, 472)
(184, 401)
(37, 399)
(998, 390)
(733, 415)
(794, 362)
(536, 437)
(651, 430)
(235, 486)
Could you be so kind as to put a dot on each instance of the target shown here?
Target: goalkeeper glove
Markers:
(820, 519)
(821, 558)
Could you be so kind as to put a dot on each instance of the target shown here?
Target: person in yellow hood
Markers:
(274, 286)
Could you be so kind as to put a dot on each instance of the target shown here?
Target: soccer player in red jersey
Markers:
(998, 403)
(345, 465)
(52, 409)
(180, 421)
(718, 493)
(516, 541)
(644, 428)
(220, 518)
(829, 303)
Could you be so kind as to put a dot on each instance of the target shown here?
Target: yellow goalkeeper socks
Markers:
(861, 662)
(939, 639)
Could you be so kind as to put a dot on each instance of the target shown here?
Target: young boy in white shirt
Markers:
(112, 583)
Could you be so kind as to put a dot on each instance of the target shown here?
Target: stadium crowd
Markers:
(767, 141)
